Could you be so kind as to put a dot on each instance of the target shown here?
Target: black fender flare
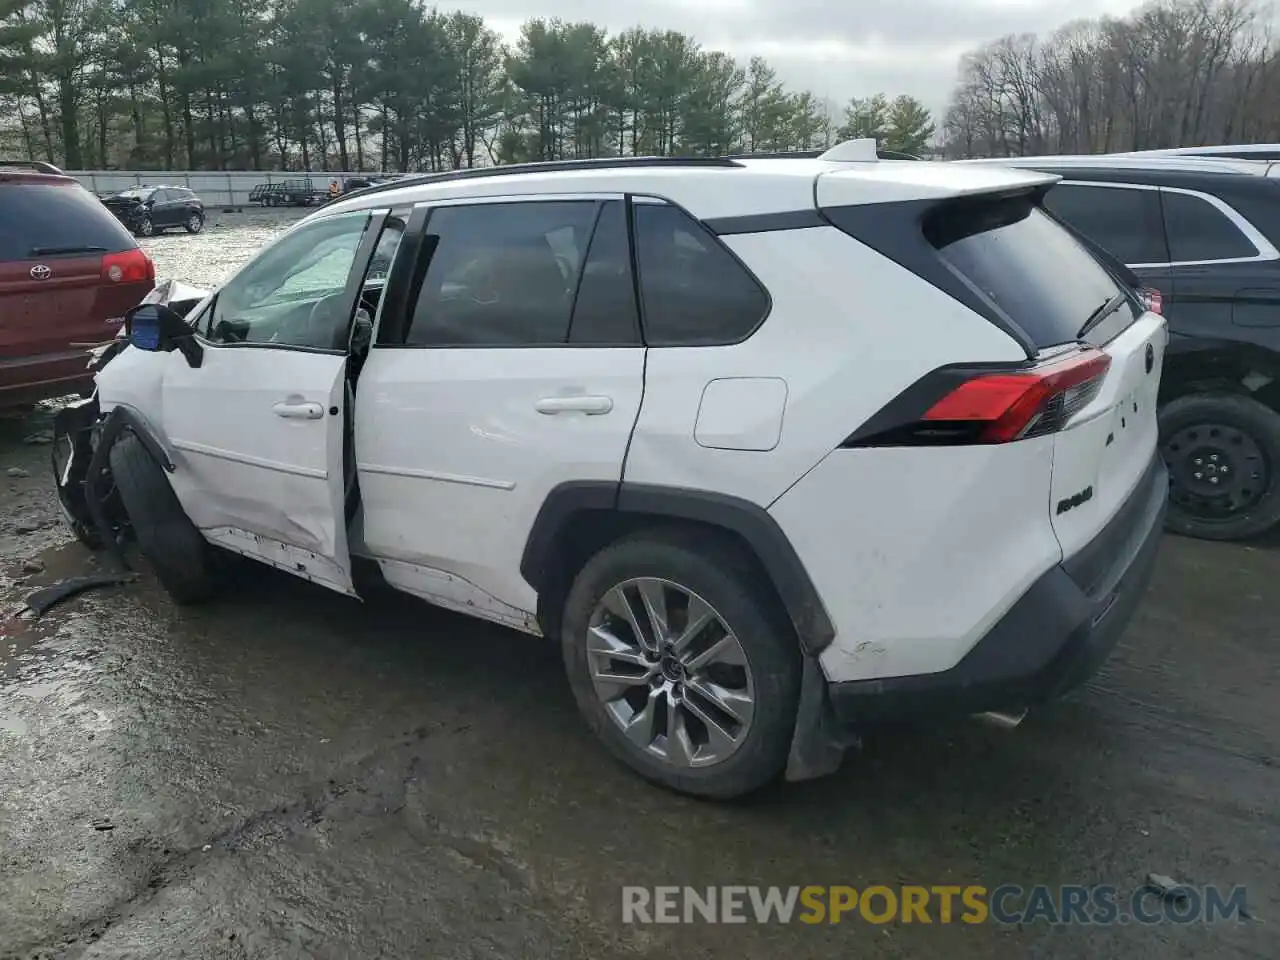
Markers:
(118, 419)
(757, 528)
(143, 430)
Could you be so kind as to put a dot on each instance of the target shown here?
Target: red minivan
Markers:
(68, 272)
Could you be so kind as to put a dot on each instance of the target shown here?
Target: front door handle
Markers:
(296, 410)
(591, 406)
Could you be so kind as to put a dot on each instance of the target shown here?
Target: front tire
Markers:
(1223, 454)
(682, 663)
(166, 536)
(146, 227)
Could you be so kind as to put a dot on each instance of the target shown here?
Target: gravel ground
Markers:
(227, 241)
(285, 772)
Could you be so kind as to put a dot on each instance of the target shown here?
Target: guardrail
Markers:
(215, 188)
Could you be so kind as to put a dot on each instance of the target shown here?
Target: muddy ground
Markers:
(289, 773)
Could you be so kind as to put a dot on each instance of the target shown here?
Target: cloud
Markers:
(837, 50)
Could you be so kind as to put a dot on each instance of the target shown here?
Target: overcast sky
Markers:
(836, 49)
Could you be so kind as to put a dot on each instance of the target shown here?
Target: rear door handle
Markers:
(294, 410)
(590, 405)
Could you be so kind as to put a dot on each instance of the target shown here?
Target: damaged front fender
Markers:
(83, 436)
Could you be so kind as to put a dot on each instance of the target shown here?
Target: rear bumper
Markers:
(1052, 640)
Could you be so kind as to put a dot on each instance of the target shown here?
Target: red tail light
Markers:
(1152, 300)
(129, 266)
(1000, 407)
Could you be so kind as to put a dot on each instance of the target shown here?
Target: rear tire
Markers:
(1223, 454)
(761, 675)
(194, 224)
(166, 536)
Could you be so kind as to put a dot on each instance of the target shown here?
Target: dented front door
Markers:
(257, 440)
(257, 430)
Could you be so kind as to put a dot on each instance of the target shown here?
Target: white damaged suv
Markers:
(774, 448)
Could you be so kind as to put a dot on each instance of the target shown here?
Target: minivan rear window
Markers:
(39, 219)
(1039, 275)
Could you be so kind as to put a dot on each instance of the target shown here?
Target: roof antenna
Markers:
(852, 151)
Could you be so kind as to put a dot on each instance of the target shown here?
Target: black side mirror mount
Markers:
(158, 328)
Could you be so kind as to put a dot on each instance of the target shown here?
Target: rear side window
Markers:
(502, 274)
(695, 292)
(48, 220)
(1123, 221)
(1200, 231)
(1024, 262)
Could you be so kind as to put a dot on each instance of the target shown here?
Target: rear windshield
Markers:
(56, 219)
(1047, 282)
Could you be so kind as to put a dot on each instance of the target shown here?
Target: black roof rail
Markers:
(39, 166)
(542, 166)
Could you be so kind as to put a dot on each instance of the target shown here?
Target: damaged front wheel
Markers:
(165, 534)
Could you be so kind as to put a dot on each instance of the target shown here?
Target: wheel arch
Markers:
(1228, 366)
(138, 423)
(579, 518)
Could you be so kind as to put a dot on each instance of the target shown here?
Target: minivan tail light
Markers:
(128, 266)
(1152, 300)
(1001, 407)
(959, 405)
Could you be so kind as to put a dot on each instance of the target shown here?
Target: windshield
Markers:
(133, 195)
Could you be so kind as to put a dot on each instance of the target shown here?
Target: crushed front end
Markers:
(82, 439)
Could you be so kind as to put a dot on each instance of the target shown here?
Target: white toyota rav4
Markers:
(774, 448)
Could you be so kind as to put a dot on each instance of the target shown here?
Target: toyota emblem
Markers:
(41, 272)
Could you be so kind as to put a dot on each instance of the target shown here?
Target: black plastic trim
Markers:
(1049, 642)
(746, 519)
(765, 222)
(408, 268)
(136, 422)
(553, 516)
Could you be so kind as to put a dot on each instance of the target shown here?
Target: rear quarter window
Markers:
(695, 292)
(1028, 265)
(1124, 221)
(38, 218)
(1199, 231)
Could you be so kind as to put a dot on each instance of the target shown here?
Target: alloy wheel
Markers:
(670, 672)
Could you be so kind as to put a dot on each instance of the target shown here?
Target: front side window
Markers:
(1123, 221)
(695, 293)
(502, 274)
(294, 293)
(1200, 231)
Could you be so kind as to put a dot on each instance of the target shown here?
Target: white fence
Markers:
(215, 188)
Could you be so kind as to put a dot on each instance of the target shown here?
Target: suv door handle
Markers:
(591, 406)
(293, 410)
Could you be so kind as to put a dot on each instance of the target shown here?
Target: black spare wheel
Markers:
(1222, 451)
(166, 536)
